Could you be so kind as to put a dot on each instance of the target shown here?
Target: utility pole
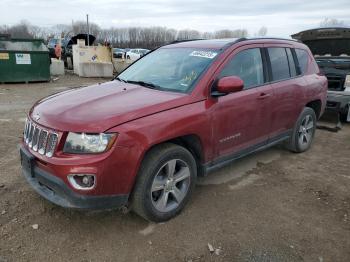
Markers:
(88, 29)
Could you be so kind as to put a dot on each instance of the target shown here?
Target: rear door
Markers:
(242, 119)
(287, 89)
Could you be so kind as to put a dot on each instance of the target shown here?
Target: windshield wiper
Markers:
(121, 80)
(142, 83)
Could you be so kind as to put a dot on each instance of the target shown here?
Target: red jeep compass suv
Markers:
(177, 113)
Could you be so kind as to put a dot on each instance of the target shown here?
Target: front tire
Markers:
(303, 132)
(165, 183)
(344, 115)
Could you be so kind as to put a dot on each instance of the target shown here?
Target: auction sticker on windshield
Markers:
(204, 54)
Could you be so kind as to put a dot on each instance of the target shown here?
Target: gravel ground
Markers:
(270, 206)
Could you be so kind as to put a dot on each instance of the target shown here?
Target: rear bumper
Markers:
(56, 191)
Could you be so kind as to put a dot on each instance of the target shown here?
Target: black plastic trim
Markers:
(266, 65)
(225, 160)
(184, 40)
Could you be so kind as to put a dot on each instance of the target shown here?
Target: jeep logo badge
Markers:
(36, 117)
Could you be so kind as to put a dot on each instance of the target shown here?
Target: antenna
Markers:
(88, 30)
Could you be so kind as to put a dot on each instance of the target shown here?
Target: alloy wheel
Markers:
(306, 130)
(170, 185)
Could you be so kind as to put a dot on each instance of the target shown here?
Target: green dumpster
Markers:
(24, 60)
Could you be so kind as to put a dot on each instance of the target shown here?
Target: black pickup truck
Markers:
(331, 48)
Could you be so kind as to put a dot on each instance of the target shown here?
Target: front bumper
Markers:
(340, 99)
(339, 102)
(56, 191)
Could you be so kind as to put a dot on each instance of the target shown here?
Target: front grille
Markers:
(40, 140)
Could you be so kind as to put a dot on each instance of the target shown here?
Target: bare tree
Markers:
(224, 34)
(20, 30)
(132, 37)
(208, 35)
(60, 30)
(331, 22)
(230, 33)
(186, 34)
(262, 31)
(80, 27)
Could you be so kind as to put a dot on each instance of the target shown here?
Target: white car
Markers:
(135, 54)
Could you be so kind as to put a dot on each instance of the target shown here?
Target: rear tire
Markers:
(303, 131)
(165, 183)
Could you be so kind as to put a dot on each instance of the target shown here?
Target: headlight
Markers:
(347, 83)
(82, 143)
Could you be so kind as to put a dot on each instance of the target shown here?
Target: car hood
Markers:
(100, 107)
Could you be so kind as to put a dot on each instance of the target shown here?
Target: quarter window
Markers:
(248, 66)
(279, 63)
(303, 59)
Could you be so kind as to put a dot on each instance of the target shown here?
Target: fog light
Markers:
(82, 181)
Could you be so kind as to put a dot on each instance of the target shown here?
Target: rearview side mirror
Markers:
(228, 84)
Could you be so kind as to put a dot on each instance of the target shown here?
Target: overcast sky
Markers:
(282, 18)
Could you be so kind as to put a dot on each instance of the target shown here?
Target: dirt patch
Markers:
(271, 206)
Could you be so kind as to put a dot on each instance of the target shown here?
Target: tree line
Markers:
(132, 37)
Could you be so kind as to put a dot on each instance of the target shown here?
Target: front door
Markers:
(242, 120)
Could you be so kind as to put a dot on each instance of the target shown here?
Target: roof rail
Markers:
(272, 38)
(224, 47)
(185, 40)
(233, 42)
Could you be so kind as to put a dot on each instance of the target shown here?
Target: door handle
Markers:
(263, 96)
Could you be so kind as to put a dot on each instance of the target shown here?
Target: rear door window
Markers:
(279, 63)
(303, 59)
(247, 65)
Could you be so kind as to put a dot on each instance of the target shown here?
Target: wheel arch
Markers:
(192, 143)
(315, 105)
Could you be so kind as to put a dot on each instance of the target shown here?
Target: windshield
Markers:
(172, 69)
